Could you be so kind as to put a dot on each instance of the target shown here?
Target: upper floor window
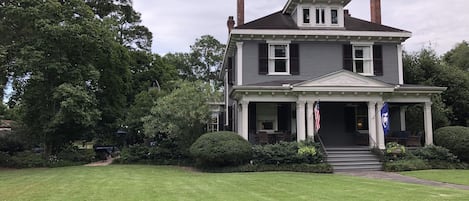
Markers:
(279, 59)
(334, 16)
(320, 16)
(363, 59)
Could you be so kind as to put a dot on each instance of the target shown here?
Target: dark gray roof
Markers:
(273, 21)
(284, 21)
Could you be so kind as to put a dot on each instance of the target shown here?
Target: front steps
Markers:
(352, 159)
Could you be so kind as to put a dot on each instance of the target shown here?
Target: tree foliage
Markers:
(426, 68)
(182, 114)
(458, 56)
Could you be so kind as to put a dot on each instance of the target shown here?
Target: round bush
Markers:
(221, 149)
(454, 138)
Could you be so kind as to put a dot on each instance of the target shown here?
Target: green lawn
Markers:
(448, 176)
(136, 182)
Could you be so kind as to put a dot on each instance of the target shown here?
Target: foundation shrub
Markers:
(454, 138)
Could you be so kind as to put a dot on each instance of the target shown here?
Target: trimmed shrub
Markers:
(73, 154)
(287, 153)
(135, 153)
(435, 153)
(454, 138)
(10, 145)
(406, 165)
(221, 149)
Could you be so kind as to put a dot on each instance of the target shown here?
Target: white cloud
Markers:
(177, 23)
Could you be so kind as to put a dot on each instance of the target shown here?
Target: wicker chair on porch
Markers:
(415, 139)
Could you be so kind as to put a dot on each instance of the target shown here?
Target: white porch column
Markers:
(372, 123)
(379, 127)
(402, 117)
(244, 132)
(300, 121)
(310, 118)
(427, 116)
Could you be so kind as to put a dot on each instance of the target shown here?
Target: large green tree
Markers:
(426, 68)
(52, 60)
(458, 56)
(182, 114)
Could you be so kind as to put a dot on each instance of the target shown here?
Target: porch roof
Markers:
(339, 81)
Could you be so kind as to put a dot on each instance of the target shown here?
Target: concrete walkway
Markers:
(402, 178)
(101, 163)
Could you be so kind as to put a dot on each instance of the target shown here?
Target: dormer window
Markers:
(312, 15)
(320, 16)
(334, 16)
(306, 18)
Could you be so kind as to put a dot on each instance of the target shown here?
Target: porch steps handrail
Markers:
(322, 145)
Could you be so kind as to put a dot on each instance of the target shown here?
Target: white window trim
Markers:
(371, 68)
(272, 57)
(320, 24)
(338, 16)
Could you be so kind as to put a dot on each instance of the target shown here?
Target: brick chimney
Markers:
(230, 23)
(375, 10)
(347, 13)
(240, 12)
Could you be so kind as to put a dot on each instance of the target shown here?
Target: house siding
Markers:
(316, 59)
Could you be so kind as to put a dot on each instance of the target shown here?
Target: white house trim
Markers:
(400, 64)
(239, 63)
(382, 34)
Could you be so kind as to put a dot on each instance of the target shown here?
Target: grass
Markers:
(139, 182)
(447, 176)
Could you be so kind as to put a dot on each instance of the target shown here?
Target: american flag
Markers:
(317, 117)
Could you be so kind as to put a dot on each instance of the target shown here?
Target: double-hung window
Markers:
(363, 59)
(279, 55)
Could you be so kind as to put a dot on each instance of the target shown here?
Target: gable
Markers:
(343, 78)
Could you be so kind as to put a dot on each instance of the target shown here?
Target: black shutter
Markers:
(263, 59)
(348, 57)
(230, 71)
(230, 119)
(294, 59)
(378, 60)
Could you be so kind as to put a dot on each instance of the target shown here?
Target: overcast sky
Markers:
(176, 24)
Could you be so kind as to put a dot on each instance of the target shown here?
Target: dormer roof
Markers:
(291, 4)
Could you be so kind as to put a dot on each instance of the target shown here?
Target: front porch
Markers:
(342, 124)
(350, 106)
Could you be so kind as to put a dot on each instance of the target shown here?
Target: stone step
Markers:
(357, 163)
(348, 152)
(347, 149)
(350, 155)
(345, 159)
(358, 168)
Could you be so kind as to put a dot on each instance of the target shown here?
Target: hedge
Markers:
(454, 138)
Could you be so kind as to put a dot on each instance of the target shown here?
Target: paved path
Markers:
(101, 163)
(402, 178)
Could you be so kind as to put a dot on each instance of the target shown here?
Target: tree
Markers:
(202, 63)
(426, 68)
(458, 56)
(49, 59)
(182, 115)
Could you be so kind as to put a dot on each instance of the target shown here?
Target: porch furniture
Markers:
(263, 137)
(415, 140)
(399, 137)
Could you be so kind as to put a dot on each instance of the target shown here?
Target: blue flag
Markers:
(385, 118)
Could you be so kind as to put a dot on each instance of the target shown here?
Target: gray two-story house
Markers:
(278, 68)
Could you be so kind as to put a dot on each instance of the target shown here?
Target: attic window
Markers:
(334, 16)
(306, 15)
(320, 16)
